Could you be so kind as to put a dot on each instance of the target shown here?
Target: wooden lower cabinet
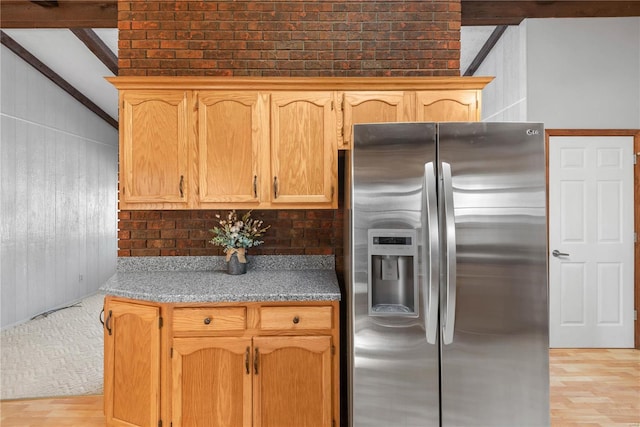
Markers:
(222, 364)
(211, 382)
(260, 382)
(131, 364)
(292, 382)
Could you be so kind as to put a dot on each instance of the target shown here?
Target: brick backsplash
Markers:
(183, 232)
(289, 38)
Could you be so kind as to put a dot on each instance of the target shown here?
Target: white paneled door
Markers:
(591, 241)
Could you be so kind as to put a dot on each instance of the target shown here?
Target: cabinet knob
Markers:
(296, 320)
(207, 320)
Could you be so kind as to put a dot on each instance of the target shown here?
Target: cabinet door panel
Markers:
(154, 147)
(448, 106)
(372, 107)
(292, 385)
(303, 148)
(232, 133)
(132, 364)
(211, 382)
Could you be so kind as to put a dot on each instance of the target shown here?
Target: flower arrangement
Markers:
(238, 234)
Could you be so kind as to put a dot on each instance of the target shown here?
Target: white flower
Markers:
(238, 233)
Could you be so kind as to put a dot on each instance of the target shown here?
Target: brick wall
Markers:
(275, 38)
(289, 38)
(171, 233)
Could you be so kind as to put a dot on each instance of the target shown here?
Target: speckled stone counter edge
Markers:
(203, 279)
(209, 263)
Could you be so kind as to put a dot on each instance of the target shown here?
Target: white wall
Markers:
(58, 182)
(584, 73)
(505, 98)
(578, 73)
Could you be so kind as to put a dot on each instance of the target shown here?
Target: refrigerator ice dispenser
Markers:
(393, 272)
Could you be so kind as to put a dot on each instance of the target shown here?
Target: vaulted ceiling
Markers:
(74, 42)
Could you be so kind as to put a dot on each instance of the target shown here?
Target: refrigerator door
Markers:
(394, 377)
(494, 371)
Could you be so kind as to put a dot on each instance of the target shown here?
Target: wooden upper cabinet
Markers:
(154, 142)
(132, 378)
(372, 107)
(448, 106)
(260, 142)
(292, 381)
(303, 150)
(232, 133)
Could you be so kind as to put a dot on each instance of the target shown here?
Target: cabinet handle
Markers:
(256, 357)
(255, 186)
(107, 322)
(296, 320)
(246, 360)
(207, 320)
(100, 316)
(181, 186)
(275, 187)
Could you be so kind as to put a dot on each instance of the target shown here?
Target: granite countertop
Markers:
(203, 279)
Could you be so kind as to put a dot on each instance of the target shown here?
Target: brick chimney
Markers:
(275, 38)
(289, 38)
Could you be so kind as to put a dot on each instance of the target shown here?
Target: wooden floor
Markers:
(81, 411)
(588, 387)
(595, 387)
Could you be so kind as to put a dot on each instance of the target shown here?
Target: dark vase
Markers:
(234, 266)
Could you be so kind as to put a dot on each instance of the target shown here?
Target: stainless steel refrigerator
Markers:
(447, 275)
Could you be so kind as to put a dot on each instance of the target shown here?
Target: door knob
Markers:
(556, 253)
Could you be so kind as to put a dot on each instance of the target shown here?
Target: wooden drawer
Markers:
(289, 318)
(209, 319)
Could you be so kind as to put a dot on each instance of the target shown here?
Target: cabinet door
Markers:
(131, 364)
(211, 382)
(303, 150)
(448, 106)
(233, 129)
(292, 381)
(154, 147)
(372, 107)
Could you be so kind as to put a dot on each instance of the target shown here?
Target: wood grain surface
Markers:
(595, 387)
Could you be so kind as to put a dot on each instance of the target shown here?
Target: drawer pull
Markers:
(296, 320)
(207, 320)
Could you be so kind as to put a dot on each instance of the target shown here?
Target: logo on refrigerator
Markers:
(533, 131)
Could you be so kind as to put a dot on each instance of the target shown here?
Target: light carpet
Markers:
(60, 354)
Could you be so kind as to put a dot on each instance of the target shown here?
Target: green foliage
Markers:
(238, 233)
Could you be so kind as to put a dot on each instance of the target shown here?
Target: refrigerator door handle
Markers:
(431, 257)
(449, 315)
